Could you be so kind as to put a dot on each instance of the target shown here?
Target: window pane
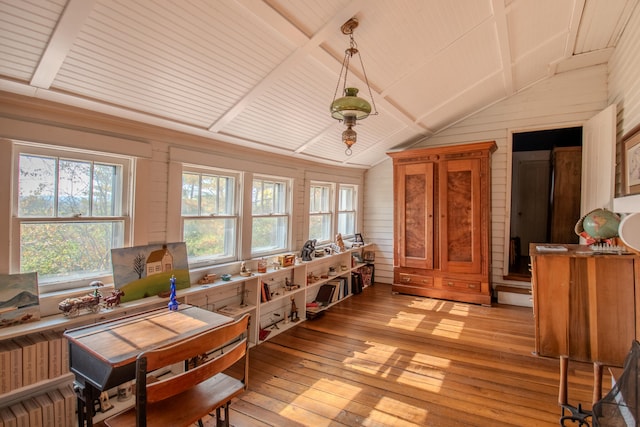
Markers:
(320, 227)
(209, 238)
(69, 250)
(74, 188)
(106, 181)
(346, 199)
(346, 223)
(190, 193)
(269, 234)
(268, 197)
(320, 199)
(209, 188)
(226, 196)
(36, 193)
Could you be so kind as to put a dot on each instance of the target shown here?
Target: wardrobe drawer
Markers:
(416, 280)
(460, 285)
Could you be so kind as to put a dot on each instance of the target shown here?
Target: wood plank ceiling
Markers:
(262, 73)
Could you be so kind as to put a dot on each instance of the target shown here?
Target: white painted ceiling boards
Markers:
(262, 73)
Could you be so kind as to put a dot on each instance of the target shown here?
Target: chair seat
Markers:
(185, 408)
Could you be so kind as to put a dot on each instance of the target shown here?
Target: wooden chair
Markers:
(185, 398)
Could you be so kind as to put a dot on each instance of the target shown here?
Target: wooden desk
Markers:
(103, 355)
(586, 308)
(585, 305)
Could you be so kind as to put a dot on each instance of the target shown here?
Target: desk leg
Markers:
(575, 414)
(597, 382)
(562, 389)
(85, 393)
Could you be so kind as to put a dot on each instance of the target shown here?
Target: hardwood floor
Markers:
(379, 359)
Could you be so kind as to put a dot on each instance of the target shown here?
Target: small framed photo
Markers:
(359, 238)
(631, 163)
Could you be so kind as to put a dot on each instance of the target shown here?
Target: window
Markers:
(209, 216)
(70, 210)
(270, 216)
(320, 212)
(347, 202)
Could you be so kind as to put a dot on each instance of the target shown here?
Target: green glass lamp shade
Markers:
(350, 105)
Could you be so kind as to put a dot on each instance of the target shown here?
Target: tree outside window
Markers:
(270, 216)
(347, 202)
(320, 212)
(69, 213)
(209, 216)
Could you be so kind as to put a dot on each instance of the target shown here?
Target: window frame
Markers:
(124, 202)
(287, 214)
(234, 215)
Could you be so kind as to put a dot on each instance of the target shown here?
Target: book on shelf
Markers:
(64, 356)
(54, 339)
(325, 294)
(337, 284)
(8, 418)
(42, 356)
(356, 282)
(28, 360)
(58, 407)
(48, 416)
(266, 293)
(10, 365)
(35, 412)
(70, 400)
(22, 416)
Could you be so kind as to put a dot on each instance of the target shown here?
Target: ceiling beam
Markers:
(61, 41)
(502, 30)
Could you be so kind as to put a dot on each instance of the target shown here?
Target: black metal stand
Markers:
(577, 415)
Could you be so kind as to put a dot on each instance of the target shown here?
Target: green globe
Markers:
(601, 224)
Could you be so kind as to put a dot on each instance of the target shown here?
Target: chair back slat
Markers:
(231, 338)
(165, 388)
(194, 346)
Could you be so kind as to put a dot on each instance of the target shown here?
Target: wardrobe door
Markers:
(414, 215)
(460, 222)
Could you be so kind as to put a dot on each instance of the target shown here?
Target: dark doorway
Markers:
(545, 192)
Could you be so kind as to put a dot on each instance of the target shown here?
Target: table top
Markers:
(118, 342)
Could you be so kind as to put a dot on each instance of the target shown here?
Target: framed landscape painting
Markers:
(631, 168)
(19, 302)
(145, 271)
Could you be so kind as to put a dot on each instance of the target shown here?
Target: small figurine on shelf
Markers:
(340, 242)
(173, 302)
(244, 271)
(308, 249)
(294, 310)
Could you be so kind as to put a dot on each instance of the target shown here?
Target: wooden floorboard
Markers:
(382, 359)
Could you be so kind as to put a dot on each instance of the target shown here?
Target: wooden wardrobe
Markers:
(442, 222)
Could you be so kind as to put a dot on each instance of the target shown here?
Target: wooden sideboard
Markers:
(586, 305)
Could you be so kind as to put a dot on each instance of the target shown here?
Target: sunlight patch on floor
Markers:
(460, 310)
(347, 391)
(397, 409)
(448, 328)
(406, 321)
(424, 304)
(332, 411)
(431, 361)
(424, 383)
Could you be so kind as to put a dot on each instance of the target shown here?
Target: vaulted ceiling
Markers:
(262, 73)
